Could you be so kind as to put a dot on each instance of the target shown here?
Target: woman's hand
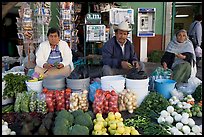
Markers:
(164, 65)
(47, 66)
(179, 55)
(60, 65)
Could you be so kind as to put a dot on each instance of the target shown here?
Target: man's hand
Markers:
(126, 65)
(135, 64)
(60, 65)
(47, 66)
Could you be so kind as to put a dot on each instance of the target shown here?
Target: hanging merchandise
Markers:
(118, 15)
(95, 33)
(32, 26)
(67, 24)
(42, 18)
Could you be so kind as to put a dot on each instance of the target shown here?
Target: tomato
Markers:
(106, 103)
(108, 96)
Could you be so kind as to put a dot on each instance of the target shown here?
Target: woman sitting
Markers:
(180, 57)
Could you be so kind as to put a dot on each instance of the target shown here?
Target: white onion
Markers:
(13, 133)
(196, 129)
(191, 133)
(185, 115)
(170, 109)
(178, 117)
(174, 113)
(160, 119)
(164, 113)
(179, 125)
(169, 119)
(186, 129)
(184, 120)
(191, 122)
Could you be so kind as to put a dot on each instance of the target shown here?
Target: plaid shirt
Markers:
(55, 56)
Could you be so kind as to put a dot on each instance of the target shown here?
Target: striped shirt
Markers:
(55, 56)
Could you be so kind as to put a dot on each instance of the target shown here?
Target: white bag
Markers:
(190, 87)
(198, 51)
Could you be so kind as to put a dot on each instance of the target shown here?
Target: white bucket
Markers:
(34, 86)
(116, 83)
(7, 100)
(3, 86)
(139, 87)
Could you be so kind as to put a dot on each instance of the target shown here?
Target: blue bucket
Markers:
(165, 87)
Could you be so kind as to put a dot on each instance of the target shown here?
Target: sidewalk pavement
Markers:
(96, 71)
(151, 66)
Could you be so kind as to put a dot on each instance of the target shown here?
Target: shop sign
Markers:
(93, 18)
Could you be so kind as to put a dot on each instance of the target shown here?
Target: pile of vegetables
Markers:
(8, 108)
(66, 99)
(72, 123)
(187, 105)
(180, 123)
(146, 126)
(14, 83)
(197, 94)
(30, 102)
(112, 124)
(127, 101)
(6, 130)
(105, 101)
(152, 105)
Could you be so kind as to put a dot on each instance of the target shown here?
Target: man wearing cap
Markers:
(118, 55)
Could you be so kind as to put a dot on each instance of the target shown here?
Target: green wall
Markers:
(159, 13)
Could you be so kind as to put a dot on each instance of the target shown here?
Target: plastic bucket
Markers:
(116, 83)
(54, 82)
(139, 87)
(78, 84)
(34, 86)
(165, 87)
(137, 83)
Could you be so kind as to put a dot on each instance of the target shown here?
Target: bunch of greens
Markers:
(152, 105)
(14, 83)
(197, 94)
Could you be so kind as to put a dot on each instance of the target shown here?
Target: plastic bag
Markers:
(92, 90)
(25, 102)
(41, 103)
(159, 73)
(198, 51)
(33, 102)
(190, 87)
(135, 74)
(83, 100)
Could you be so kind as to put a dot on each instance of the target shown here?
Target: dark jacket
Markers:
(112, 53)
(169, 58)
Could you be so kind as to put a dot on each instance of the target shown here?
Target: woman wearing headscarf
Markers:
(180, 57)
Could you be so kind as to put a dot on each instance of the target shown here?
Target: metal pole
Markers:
(173, 19)
(84, 28)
